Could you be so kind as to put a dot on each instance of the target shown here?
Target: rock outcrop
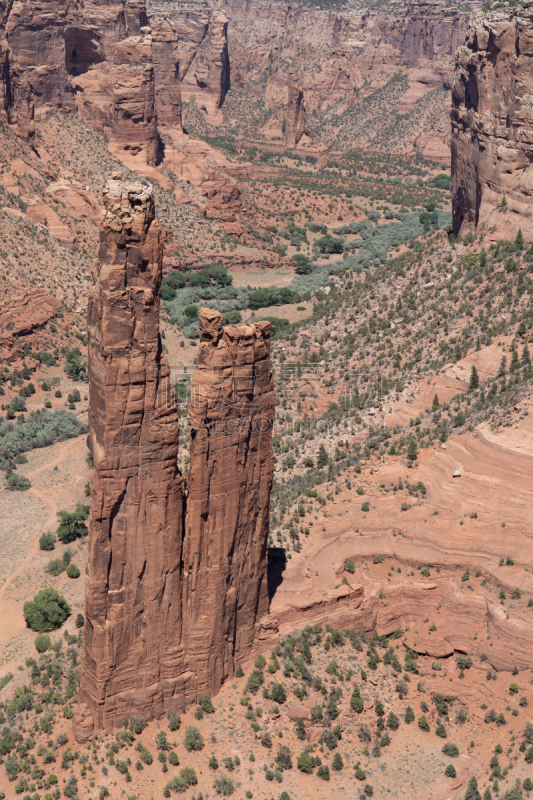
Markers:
(26, 313)
(231, 414)
(492, 120)
(93, 60)
(295, 126)
(172, 605)
(165, 55)
(132, 661)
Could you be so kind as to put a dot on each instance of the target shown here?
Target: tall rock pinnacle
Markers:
(172, 604)
(131, 661)
(232, 464)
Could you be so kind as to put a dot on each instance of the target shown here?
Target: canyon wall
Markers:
(94, 60)
(492, 124)
(172, 604)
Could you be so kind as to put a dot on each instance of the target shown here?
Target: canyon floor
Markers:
(389, 572)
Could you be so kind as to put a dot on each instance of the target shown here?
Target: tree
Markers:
(72, 524)
(323, 459)
(393, 722)
(356, 701)
(284, 757)
(193, 739)
(47, 541)
(224, 786)
(435, 403)
(515, 361)
(204, 701)
(503, 367)
(305, 763)
(338, 763)
(519, 241)
(323, 772)
(472, 792)
(526, 358)
(79, 621)
(409, 715)
(73, 571)
(378, 708)
(47, 610)
(300, 729)
(450, 771)
(412, 452)
(260, 661)
(277, 693)
(474, 380)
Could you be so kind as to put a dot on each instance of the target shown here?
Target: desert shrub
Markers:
(323, 772)
(193, 739)
(450, 750)
(224, 785)
(17, 483)
(205, 704)
(73, 571)
(450, 771)
(42, 643)
(255, 681)
(47, 541)
(46, 611)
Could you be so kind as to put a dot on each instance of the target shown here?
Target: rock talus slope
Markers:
(232, 465)
(492, 122)
(132, 661)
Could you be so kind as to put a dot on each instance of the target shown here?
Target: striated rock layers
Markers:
(171, 606)
(231, 414)
(94, 60)
(295, 126)
(492, 124)
(132, 660)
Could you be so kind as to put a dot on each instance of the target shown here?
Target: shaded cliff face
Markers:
(94, 60)
(492, 120)
(295, 115)
(132, 661)
(232, 465)
(171, 605)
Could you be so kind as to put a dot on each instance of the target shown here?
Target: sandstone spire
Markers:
(231, 414)
(169, 612)
(132, 661)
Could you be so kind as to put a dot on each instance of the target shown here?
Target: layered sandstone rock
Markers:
(171, 607)
(492, 121)
(165, 54)
(206, 66)
(132, 661)
(295, 126)
(225, 580)
(93, 60)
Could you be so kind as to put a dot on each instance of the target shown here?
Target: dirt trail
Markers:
(12, 622)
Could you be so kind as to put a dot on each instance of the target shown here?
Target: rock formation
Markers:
(206, 66)
(132, 660)
(93, 60)
(170, 608)
(492, 144)
(165, 56)
(295, 112)
(231, 414)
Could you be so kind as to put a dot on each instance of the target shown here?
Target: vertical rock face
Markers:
(165, 56)
(224, 557)
(295, 115)
(205, 59)
(93, 60)
(492, 122)
(132, 661)
(172, 604)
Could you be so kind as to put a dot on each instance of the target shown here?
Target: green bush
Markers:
(42, 643)
(305, 763)
(450, 750)
(73, 571)
(72, 524)
(255, 681)
(450, 771)
(46, 611)
(193, 739)
(423, 724)
(47, 541)
(17, 483)
(205, 704)
(224, 785)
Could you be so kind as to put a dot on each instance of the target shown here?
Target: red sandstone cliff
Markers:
(132, 661)
(492, 118)
(232, 465)
(94, 60)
